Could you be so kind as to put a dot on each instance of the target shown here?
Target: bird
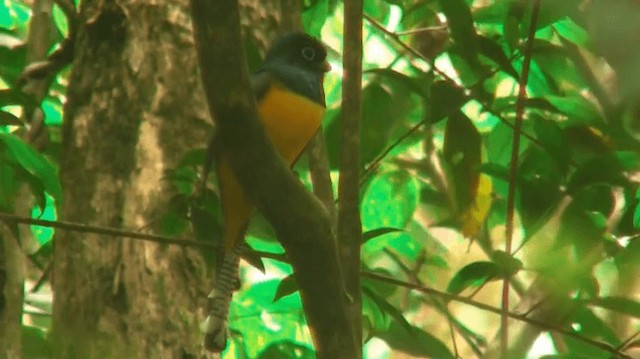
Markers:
(288, 87)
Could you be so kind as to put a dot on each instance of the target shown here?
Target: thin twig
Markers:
(108, 231)
(488, 308)
(513, 172)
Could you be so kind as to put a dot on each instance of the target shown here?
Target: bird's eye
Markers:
(308, 53)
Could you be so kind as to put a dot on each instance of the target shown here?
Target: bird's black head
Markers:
(299, 50)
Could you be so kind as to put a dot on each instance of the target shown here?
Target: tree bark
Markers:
(12, 274)
(134, 108)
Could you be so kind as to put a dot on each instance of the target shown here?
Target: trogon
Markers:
(288, 87)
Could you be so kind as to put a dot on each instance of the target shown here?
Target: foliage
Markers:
(439, 109)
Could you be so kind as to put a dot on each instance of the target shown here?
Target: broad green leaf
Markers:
(622, 305)
(473, 275)
(389, 201)
(417, 342)
(462, 152)
(34, 163)
(573, 32)
(60, 19)
(462, 28)
(576, 107)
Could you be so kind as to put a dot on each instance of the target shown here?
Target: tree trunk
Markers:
(134, 108)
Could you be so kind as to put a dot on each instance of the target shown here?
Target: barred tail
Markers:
(215, 339)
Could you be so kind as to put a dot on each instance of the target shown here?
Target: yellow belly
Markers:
(289, 121)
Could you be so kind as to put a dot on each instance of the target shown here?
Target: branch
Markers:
(319, 170)
(513, 172)
(488, 308)
(280, 257)
(349, 224)
(299, 219)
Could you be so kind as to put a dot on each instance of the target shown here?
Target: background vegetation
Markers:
(449, 214)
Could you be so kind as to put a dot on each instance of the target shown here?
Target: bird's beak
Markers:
(325, 66)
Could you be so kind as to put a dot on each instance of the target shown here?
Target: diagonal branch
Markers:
(299, 219)
(513, 171)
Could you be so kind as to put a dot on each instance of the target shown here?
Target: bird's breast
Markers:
(290, 120)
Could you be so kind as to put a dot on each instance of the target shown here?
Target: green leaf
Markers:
(446, 98)
(462, 152)
(313, 18)
(378, 232)
(8, 119)
(576, 107)
(60, 19)
(417, 342)
(387, 308)
(389, 201)
(286, 287)
(619, 304)
(462, 28)
(493, 51)
(287, 349)
(507, 265)
(573, 32)
(34, 163)
(473, 275)
(604, 169)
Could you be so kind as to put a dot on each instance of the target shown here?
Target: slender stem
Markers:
(349, 225)
(513, 172)
(488, 308)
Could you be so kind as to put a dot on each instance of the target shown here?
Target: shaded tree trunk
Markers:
(134, 108)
